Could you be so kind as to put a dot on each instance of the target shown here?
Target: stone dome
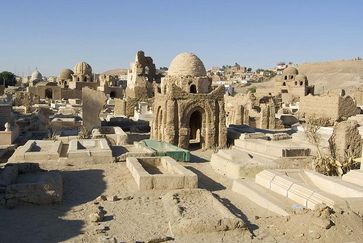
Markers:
(187, 64)
(36, 75)
(301, 77)
(290, 71)
(83, 68)
(66, 74)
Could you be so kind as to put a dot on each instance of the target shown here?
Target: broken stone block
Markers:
(112, 198)
(345, 141)
(101, 198)
(95, 217)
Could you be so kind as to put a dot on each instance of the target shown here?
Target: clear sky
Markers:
(56, 34)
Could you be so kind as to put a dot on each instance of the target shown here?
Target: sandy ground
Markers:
(140, 216)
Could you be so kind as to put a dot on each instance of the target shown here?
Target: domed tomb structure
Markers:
(291, 84)
(36, 75)
(188, 72)
(65, 77)
(82, 77)
(186, 111)
(35, 78)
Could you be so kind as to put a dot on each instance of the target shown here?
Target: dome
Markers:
(187, 64)
(83, 68)
(301, 77)
(290, 71)
(66, 74)
(36, 75)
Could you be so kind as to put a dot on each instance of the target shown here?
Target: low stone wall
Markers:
(176, 176)
(115, 135)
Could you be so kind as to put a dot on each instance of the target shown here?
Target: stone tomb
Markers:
(90, 151)
(197, 211)
(280, 190)
(115, 135)
(235, 163)
(35, 150)
(160, 173)
(78, 151)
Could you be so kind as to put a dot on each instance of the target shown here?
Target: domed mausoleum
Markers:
(186, 111)
(36, 76)
(65, 77)
(66, 74)
(82, 77)
(291, 85)
(187, 64)
(83, 68)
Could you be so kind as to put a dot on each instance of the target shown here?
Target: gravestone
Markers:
(93, 103)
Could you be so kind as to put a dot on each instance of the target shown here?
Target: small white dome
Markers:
(36, 75)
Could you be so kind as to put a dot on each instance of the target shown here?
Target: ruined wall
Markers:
(140, 76)
(57, 93)
(120, 107)
(52, 92)
(71, 94)
(250, 110)
(345, 141)
(80, 85)
(357, 95)
(330, 107)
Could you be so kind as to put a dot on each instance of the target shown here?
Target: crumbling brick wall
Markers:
(330, 107)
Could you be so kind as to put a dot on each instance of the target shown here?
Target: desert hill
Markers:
(335, 74)
(117, 71)
(342, 74)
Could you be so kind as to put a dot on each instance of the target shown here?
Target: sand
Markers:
(141, 216)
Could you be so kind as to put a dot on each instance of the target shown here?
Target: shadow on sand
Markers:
(205, 182)
(33, 223)
(237, 212)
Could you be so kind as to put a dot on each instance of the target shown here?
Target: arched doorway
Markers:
(193, 89)
(195, 126)
(49, 93)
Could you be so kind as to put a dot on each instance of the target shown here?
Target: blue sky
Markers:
(52, 35)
